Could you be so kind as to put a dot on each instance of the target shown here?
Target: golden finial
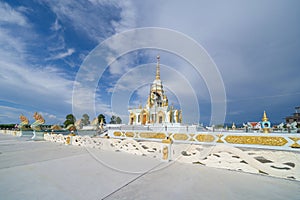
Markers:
(265, 118)
(157, 68)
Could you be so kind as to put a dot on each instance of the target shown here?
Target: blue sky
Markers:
(254, 44)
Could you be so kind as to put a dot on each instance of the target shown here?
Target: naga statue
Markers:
(95, 122)
(281, 126)
(294, 126)
(78, 124)
(39, 120)
(24, 121)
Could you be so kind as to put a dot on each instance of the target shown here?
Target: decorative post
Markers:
(166, 149)
(265, 124)
(68, 140)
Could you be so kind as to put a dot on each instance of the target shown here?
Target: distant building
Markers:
(157, 109)
(254, 125)
(295, 117)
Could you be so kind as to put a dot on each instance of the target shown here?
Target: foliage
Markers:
(284, 126)
(85, 119)
(7, 126)
(119, 120)
(115, 120)
(219, 126)
(101, 116)
(70, 119)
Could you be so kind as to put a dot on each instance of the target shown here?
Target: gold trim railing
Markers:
(255, 140)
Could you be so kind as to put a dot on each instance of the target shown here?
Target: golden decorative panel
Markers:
(259, 140)
(205, 138)
(295, 145)
(117, 133)
(167, 141)
(180, 136)
(129, 134)
(219, 138)
(153, 135)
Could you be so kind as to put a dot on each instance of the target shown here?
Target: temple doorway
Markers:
(144, 119)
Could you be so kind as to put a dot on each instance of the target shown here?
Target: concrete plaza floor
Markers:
(44, 170)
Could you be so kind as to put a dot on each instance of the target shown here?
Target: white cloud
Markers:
(11, 16)
(96, 19)
(123, 64)
(56, 26)
(62, 55)
(34, 88)
(52, 118)
(11, 114)
(11, 46)
(128, 16)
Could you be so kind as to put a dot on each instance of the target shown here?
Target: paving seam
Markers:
(32, 149)
(136, 178)
(21, 165)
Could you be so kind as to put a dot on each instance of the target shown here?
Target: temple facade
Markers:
(157, 109)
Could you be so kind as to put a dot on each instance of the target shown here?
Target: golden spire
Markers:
(157, 69)
(265, 118)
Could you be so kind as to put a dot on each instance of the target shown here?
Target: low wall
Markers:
(11, 132)
(283, 164)
(270, 154)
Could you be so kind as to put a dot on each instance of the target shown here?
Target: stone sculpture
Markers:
(39, 120)
(24, 121)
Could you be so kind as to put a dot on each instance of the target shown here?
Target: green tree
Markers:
(85, 119)
(101, 116)
(218, 126)
(70, 119)
(119, 120)
(115, 120)
(7, 126)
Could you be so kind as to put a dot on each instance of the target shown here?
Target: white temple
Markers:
(157, 109)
